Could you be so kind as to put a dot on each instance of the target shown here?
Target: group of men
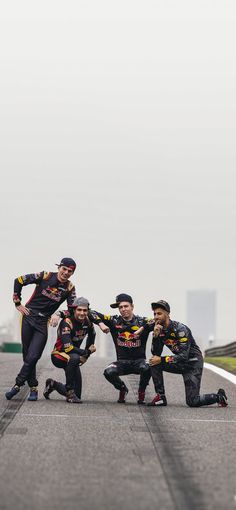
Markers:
(129, 332)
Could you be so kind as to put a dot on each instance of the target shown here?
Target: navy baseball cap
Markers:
(120, 298)
(67, 262)
(161, 304)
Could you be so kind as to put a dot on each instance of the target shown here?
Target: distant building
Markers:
(201, 316)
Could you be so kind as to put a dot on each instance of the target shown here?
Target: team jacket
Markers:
(71, 334)
(48, 295)
(122, 332)
(179, 339)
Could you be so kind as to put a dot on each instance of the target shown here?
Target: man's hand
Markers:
(82, 360)
(138, 332)
(155, 360)
(54, 320)
(92, 348)
(157, 330)
(103, 327)
(23, 310)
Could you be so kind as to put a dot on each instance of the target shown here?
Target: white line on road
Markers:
(222, 372)
(212, 421)
(92, 417)
(121, 418)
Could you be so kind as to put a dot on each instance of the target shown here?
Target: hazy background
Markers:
(118, 149)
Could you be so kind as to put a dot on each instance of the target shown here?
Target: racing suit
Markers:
(48, 295)
(67, 352)
(186, 360)
(131, 356)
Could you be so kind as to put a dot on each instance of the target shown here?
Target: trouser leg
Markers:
(72, 371)
(111, 373)
(33, 345)
(78, 382)
(192, 382)
(145, 375)
(158, 380)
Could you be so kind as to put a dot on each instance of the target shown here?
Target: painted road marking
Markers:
(120, 419)
(221, 371)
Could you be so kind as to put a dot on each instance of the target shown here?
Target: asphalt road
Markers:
(103, 455)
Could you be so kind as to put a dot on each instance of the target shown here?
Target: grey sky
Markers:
(118, 148)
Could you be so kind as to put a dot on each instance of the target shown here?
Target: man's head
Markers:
(81, 308)
(65, 269)
(161, 310)
(125, 304)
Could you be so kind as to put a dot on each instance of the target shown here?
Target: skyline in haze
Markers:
(118, 149)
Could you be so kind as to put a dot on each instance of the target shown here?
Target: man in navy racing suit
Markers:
(186, 359)
(51, 290)
(131, 357)
(67, 352)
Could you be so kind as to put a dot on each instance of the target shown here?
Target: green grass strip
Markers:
(223, 362)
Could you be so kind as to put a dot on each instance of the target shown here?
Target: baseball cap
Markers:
(80, 301)
(67, 262)
(120, 298)
(161, 304)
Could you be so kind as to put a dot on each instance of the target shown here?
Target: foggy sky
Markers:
(118, 149)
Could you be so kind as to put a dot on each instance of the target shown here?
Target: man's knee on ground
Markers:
(193, 402)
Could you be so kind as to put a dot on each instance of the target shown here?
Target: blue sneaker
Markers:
(33, 394)
(11, 393)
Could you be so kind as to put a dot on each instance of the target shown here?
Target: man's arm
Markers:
(22, 281)
(103, 321)
(90, 337)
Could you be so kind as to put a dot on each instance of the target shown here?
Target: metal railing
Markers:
(225, 350)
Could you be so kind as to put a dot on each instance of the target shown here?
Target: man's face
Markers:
(126, 310)
(81, 313)
(161, 316)
(64, 273)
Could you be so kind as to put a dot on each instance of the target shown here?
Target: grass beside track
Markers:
(223, 362)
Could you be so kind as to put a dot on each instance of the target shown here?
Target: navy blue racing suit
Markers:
(131, 351)
(48, 295)
(186, 360)
(67, 352)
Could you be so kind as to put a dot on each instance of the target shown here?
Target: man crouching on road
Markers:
(186, 360)
(130, 349)
(67, 352)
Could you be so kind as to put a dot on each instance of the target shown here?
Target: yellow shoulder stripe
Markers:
(68, 321)
(69, 348)
(20, 280)
(46, 275)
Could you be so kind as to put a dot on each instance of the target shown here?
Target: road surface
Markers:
(103, 455)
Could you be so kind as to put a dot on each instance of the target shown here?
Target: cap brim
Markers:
(159, 305)
(114, 305)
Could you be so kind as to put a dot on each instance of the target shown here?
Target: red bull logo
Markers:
(126, 336)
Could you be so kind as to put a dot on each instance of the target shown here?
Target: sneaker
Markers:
(33, 395)
(123, 392)
(49, 387)
(222, 398)
(141, 397)
(72, 398)
(11, 393)
(159, 400)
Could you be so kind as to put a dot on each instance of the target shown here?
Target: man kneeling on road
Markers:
(131, 358)
(67, 353)
(186, 360)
